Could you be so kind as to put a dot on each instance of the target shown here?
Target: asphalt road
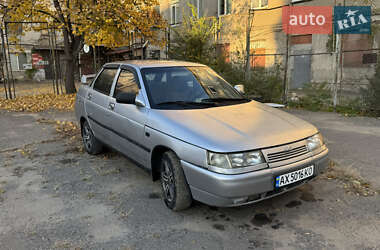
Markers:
(53, 196)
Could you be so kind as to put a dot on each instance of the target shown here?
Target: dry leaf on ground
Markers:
(38, 103)
(352, 181)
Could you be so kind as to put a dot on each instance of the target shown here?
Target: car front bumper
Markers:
(234, 190)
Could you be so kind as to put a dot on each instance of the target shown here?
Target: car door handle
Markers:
(89, 96)
(111, 105)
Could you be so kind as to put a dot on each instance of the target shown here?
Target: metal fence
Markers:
(32, 62)
(31, 59)
(344, 72)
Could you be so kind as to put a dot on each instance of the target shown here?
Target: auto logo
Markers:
(288, 148)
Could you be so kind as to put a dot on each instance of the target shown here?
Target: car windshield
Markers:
(188, 87)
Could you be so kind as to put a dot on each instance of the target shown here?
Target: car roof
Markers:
(154, 63)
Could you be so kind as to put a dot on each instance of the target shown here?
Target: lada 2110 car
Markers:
(197, 134)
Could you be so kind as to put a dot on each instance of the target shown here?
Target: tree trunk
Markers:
(70, 72)
(70, 59)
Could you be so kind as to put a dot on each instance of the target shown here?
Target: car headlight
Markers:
(315, 142)
(222, 163)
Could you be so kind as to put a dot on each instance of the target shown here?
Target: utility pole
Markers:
(94, 58)
(251, 14)
(286, 65)
(338, 56)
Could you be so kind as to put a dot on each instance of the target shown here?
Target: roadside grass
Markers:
(318, 97)
(348, 111)
(351, 180)
(90, 195)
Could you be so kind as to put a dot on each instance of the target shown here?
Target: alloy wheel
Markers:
(168, 184)
(87, 137)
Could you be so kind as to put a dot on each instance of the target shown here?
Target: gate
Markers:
(302, 70)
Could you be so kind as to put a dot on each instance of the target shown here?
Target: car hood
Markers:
(231, 128)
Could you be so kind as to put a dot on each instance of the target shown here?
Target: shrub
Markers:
(264, 84)
(192, 40)
(371, 95)
(317, 96)
(30, 73)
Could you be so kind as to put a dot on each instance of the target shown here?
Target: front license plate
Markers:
(295, 176)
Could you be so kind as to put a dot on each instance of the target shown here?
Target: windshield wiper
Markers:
(224, 99)
(184, 103)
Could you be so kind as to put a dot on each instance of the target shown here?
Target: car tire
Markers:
(175, 190)
(92, 145)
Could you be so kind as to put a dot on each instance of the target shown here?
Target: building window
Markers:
(174, 14)
(259, 4)
(18, 61)
(301, 39)
(224, 7)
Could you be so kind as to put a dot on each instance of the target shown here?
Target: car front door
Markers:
(97, 104)
(128, 120)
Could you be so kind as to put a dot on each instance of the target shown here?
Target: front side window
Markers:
(188, 87)
(104, 81)
(126, 83)
(224, 7)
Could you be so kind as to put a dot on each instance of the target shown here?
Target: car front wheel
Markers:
(92, 145)
(176, 191)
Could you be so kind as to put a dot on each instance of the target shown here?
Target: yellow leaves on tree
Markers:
(97, 22)
(38, 103)
(94, 22)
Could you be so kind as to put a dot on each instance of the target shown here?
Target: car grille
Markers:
(288, 154)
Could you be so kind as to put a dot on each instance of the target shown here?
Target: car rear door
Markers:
(97, 103)
(128, 120)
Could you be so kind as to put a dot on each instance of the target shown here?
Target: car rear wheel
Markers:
(92, 145)
(175, 190)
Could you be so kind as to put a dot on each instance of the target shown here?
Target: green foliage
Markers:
(264, 84)
(30, 73)
(351, 107)
(371, 94)
(316, 97)
(192, 40)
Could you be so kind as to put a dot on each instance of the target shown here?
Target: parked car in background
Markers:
(197, 134)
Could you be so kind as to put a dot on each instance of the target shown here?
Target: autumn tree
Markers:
(193, 39)
(94, 22)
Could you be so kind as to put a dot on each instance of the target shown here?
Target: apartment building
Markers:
(31, 49)
(311, 56)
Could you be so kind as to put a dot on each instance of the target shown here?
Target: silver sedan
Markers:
(197, 134)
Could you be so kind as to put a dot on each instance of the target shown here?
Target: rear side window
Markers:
(104, 82)
(126, 83)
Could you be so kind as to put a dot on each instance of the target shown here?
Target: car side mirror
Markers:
(126, 98)
(139, 101)
(240, 88)
(87, 79)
